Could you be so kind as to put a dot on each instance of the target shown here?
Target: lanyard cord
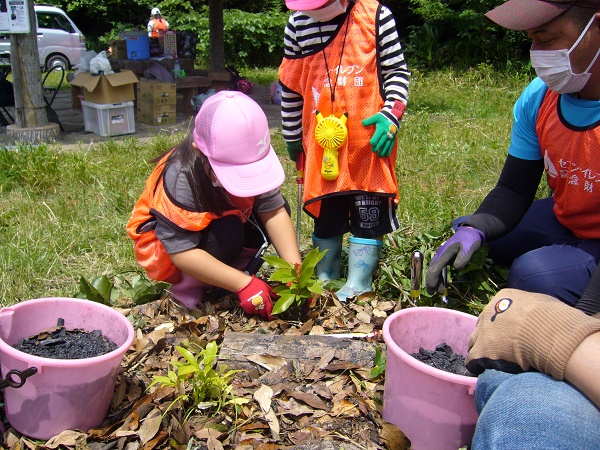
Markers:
(337, 74)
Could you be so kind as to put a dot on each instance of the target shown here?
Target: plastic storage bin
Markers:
(108, 120)
(138, 45)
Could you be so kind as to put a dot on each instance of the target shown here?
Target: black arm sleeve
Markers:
(506, 204)
(589, 302)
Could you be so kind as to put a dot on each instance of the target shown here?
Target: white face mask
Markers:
(327, 13)
(554, 67)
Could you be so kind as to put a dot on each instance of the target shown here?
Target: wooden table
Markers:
(190, 86)
(139, 66)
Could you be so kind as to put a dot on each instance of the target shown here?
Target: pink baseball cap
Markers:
(524, 15)
(232, 131)
(304, 5)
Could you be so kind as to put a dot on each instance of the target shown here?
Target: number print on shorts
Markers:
(369, 217)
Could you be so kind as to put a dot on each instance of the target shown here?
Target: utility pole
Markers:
(31, 123)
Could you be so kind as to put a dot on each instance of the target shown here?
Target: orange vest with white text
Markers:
(149, 251)
(356, 79)
(572, 168)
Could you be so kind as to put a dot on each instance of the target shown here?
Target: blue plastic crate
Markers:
(138, 46)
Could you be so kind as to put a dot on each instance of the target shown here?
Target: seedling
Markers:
(298, 281)
(199, 385)
(103, 289)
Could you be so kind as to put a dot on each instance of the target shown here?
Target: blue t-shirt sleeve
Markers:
(524, 142)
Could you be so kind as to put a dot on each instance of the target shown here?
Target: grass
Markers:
(63, 213)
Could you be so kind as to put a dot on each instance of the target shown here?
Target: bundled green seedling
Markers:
(298, 282)
(109, 289)
(199, 384)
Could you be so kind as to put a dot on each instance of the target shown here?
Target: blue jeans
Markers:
(544, 255)
(533, 411)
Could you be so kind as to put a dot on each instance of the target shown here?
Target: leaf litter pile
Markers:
(296, 387)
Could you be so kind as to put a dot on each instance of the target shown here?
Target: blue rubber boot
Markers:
(363, 257)
(329, 267)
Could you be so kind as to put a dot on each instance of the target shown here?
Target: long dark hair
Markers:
(196, 168)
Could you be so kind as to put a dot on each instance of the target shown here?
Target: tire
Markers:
(57, 60)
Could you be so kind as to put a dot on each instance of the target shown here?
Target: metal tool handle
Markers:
(13, 375)
(300, 163)
(416, 274)
(445, 284)
(256, 261)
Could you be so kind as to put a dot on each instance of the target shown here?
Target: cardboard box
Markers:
(117, 49)
(170, 43)
(156, 92)
(156, 114)
(108, 120)
(106, 89)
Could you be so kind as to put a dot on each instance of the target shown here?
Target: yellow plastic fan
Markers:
(331, 133)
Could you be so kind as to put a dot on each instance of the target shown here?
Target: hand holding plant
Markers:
(299, 284)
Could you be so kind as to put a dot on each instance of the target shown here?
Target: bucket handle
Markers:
(9, 381)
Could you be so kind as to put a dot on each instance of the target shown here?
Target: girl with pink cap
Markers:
(212, 206)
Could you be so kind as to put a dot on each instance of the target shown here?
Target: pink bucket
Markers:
(434, 408)
(63, 394)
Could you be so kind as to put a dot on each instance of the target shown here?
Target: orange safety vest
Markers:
(148, 250)
(158, 25)
(572, 169)
(359, 92)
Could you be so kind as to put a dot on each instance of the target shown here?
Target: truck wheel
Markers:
(57, 60)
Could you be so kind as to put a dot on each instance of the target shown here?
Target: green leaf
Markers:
(276, 261)
(210, 353)
(284, 302)
(188, 356)
(283, 275)
(311, 259)
(315, 288)
(104, 286)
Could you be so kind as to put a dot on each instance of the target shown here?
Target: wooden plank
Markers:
(236, 347)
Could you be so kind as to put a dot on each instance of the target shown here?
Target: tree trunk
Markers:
(217, 44)
(31, 123)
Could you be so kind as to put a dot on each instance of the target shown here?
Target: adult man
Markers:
(343, 59)
(157, 25)
(553, 243)
(555, 408)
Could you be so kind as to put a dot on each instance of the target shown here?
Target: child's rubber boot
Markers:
(188, 291)
(329, 267)
(363, 257)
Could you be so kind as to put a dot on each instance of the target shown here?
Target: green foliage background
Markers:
(435, 33)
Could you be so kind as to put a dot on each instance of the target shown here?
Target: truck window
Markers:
(54, 21)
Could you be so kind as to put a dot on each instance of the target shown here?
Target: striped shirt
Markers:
(305, 36)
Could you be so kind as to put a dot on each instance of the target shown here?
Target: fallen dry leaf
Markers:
(393, 437)
(263, 396)
(67, 438)
(267, 361)
(309, 399)
(150, 425)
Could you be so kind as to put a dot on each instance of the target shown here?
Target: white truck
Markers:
(60, 42)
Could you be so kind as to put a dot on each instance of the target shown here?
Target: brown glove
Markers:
(520, 331)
